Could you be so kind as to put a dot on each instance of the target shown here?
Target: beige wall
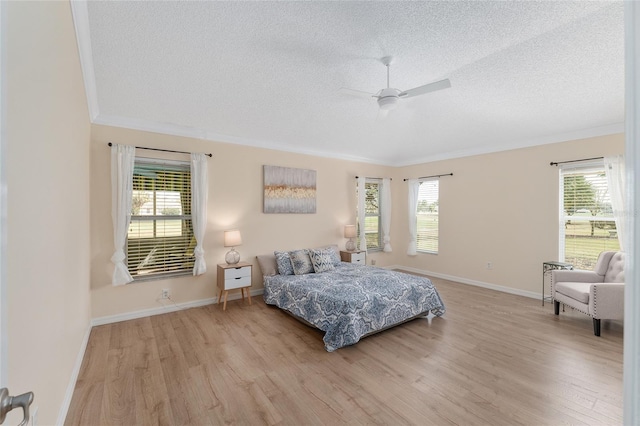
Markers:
(235, 201)
(47, 163)
(500, 208)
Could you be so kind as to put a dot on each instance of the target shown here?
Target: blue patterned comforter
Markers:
(353, 300)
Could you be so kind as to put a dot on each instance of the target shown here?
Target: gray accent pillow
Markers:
(301, 262)
(321, 259)
(283, 260)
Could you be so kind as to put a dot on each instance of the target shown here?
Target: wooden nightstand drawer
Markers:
(237, 282)
(359, 257)
(241, 271)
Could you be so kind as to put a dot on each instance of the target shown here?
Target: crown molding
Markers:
(593, 132)
(83, 37)
(193, 132)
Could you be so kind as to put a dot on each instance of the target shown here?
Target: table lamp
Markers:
(232, 239)
(350, 233)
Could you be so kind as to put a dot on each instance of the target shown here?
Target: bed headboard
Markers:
(267, 263)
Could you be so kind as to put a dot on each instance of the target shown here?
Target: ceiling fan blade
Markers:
(431, 87)
(359, 93)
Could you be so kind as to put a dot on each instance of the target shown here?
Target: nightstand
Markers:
(232, 277)
(356, 256)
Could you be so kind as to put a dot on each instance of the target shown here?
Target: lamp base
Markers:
(351, 245)
(232, 257)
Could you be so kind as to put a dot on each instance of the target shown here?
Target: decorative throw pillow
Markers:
(335, 256)
(321, 260)
(283, 260)
(301, 262)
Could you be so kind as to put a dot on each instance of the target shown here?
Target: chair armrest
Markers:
(607, 300)
(577, 276)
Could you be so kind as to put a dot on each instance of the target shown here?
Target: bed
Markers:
(350, 301)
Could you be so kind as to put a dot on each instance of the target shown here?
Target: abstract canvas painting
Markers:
(289, 190)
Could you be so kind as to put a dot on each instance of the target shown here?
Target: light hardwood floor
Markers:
(493, 358)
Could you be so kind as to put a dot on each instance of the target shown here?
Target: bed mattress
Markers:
(352, 301)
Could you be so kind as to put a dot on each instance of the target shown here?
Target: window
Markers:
(372, 220)
(587, 225)
(160, 240)
(427, 216)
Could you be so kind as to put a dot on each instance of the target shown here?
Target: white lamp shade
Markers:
(232, 238)
(349, 231)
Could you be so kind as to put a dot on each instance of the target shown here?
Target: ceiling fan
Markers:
(388, 98)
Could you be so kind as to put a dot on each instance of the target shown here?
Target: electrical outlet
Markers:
(165, 293)
(489, 265)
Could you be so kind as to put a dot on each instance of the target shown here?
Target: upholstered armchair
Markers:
(598, 293)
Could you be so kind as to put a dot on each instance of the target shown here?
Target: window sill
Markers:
(427, 252)
(157, 277)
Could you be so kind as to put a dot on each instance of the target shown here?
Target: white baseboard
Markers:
(476, 283)
(66, 402)
(169, 306)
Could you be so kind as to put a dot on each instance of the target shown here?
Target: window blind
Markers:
(427, 216)
(587, 224)
(372, 210)
(160, 240)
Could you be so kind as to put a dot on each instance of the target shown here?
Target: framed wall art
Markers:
(289, 190)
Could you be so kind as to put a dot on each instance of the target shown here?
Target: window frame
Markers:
(594, 166)
(378, 182)
(186, 270)
(437, 239)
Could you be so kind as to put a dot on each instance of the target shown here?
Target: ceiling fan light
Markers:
(388, 103)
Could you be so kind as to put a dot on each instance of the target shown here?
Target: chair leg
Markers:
(596, 327)
(556, 307)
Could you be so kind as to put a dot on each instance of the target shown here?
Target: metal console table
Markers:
(549, 266)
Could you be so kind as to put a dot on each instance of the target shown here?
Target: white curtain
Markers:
(199, 191)
(414, 187)
(361, 215)
(614, 169)
(385, 213)
(122, 160)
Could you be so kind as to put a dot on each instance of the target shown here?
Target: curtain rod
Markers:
(367, 177)
(163, 150)
(555, 163)
(426, 177)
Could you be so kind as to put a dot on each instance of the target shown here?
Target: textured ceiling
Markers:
(269, 73)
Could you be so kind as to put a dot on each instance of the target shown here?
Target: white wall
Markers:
(47, 165)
